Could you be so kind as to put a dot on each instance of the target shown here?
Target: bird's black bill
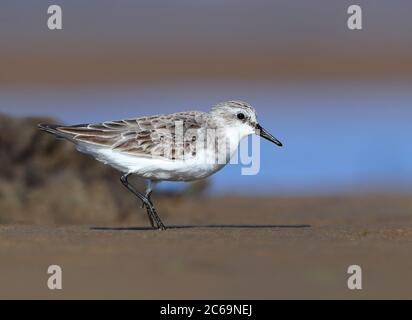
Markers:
(266, 135)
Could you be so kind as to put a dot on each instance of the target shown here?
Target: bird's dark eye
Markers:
(240, 116)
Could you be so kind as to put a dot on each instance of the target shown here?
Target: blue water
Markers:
(337, 136)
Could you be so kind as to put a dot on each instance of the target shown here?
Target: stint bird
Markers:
(182, 146)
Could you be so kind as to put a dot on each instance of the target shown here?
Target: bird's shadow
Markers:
(207, 226)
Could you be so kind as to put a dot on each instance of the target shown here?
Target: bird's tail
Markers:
(53, 129)
(50, 128)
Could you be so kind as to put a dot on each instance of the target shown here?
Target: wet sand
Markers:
(221, 248)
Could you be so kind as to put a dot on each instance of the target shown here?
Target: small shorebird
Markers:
(182, 146)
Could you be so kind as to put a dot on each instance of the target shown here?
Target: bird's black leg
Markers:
(124, 180)
(148, 192)
(151, 211)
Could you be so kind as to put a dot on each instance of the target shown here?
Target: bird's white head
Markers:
(241, 116)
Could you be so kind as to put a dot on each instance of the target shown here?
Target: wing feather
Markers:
(143, 137)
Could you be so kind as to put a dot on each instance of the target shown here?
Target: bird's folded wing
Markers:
(144, 137)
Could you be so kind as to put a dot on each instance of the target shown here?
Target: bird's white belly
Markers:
(157, 168)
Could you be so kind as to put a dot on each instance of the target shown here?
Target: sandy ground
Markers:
(222, 248)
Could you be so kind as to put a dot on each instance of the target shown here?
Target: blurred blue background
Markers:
(337, 137)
